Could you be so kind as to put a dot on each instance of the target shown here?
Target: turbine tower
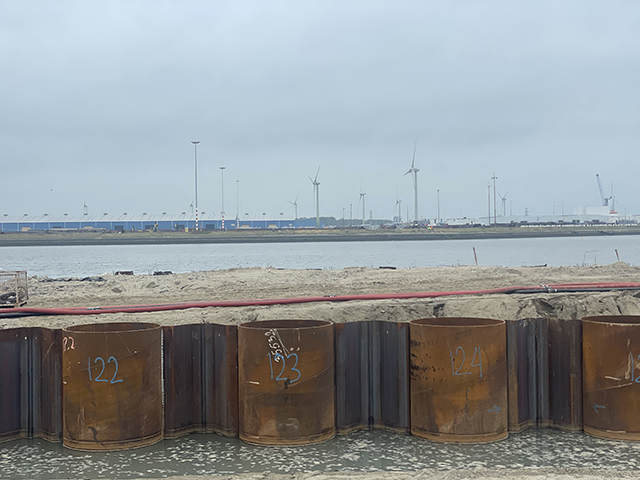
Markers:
(414, 170)
(362, 194)
(295, 206)
(504, 203)
(316, 190)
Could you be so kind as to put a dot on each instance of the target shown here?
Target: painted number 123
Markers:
(277, 358)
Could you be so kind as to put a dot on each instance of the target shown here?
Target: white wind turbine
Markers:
(316, 190)
(399, 205)
(295, 205)
(504, 203)
(414, 170)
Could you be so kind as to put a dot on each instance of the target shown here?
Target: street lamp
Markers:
(195, 147)
(222, 214)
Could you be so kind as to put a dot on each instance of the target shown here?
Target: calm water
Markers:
(80, 261)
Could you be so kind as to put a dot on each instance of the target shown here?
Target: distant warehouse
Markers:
(139, 222)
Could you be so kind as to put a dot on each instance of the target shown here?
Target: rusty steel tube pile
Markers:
(110, 386)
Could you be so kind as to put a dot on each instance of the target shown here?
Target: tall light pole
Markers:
(489, 203)
(495, 208)
(195, 147)
(438, 219)
(222, 213)
(237, 203)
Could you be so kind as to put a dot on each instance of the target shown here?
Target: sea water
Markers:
(82, 261)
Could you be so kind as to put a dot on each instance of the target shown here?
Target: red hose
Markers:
(558, 287)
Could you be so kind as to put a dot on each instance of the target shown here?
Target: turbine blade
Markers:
(415, 145)
(317, 173)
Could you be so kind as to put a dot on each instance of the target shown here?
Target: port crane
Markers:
(605, 200)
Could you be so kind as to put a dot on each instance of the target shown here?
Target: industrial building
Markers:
(141, 222)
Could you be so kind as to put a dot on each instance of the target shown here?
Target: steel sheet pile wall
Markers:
(14, 396)
(563, 376)
(390, 375)
(45, 369)
(545, 374)
(199, 374)
(200, 379)
(183, 371)
(353, 365)
(611, 349)
(221, 379)
(523, 358)
(372, 376)
(31, 386)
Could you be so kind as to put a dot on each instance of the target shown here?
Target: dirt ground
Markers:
(261, 283)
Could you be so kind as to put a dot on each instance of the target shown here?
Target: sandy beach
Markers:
(262, 283)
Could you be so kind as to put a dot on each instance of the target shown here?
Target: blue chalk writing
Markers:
(459, 350)
(277, 358)
(113, 379)
(596, 407)
(98, 378)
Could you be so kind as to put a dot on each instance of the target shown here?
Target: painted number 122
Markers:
(98, 378)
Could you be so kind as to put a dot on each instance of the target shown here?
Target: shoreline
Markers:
(78, 238)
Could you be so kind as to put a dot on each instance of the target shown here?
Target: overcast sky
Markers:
(99, 101)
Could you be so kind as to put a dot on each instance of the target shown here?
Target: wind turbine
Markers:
(295, 205)
(316, 190)
(362, 194)
(398, 219)
(613, 200)
(414, 170)
(504, 203)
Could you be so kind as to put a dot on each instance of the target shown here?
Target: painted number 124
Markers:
(458, 359)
